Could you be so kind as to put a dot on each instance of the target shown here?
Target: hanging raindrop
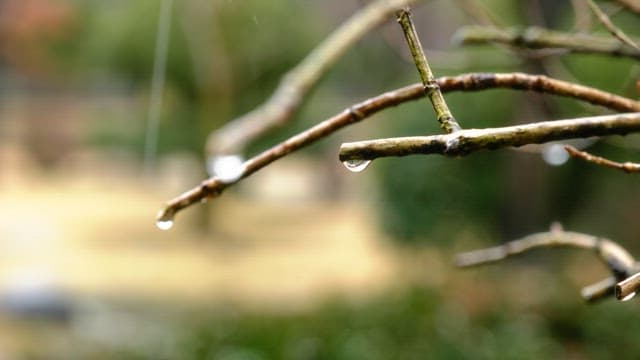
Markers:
(356, 165)
(164, 224)
(165, 218)
(555, 154)
(629, 297)
(228, 168)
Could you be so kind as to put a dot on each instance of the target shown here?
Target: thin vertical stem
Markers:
(431, 88)
(157, 83)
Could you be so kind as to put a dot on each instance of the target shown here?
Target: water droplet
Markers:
(555, 154)
(164, 224)
(228, 168)
(165, 218)
(356, 165)
(629, 297)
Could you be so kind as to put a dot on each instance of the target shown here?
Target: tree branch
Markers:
(539, 38)
(631, 5)
(614, 256)
(477, 12)
(627, 288)
(469, 82)
(447, 122)
(295, 84)
(582, 16)
(613, 29)
(627, 167)
(465, 142)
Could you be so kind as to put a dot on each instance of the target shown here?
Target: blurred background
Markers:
(304, 260)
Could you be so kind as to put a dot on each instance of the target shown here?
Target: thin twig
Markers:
(476, 11)
(464, 142)
(627, 167)
(539, 38)
(468, 82)
(621, 263)
(614, 256)
(157, 84)
(294, 85)
(613, 29)
(447, 122)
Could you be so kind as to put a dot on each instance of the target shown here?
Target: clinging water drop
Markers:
(164, 224)
(165, 218)
(356, 165)
(555, 154)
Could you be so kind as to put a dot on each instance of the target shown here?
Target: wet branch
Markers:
(614, 256)
(627, 288)
(539, 38)
(467, 141)
(469, 82)
(627, 167)
(447, 122)
(294, 85)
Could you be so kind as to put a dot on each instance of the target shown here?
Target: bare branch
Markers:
(627, 167)
(615, 257)
(464, 142)
(539, 38)
(294, 86)
(538, 83)
(469, 82)
(447, 122)
(582, 16)
(631, 5)
(613, 29)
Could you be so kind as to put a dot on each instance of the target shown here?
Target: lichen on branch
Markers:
(464, 142)
(447, 122)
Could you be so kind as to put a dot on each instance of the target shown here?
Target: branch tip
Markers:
(626, 289)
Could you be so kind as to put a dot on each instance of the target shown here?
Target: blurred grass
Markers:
(414, 322)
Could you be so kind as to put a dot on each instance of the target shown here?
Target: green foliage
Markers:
(414, 324)
(423, 195)
(417, 323)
